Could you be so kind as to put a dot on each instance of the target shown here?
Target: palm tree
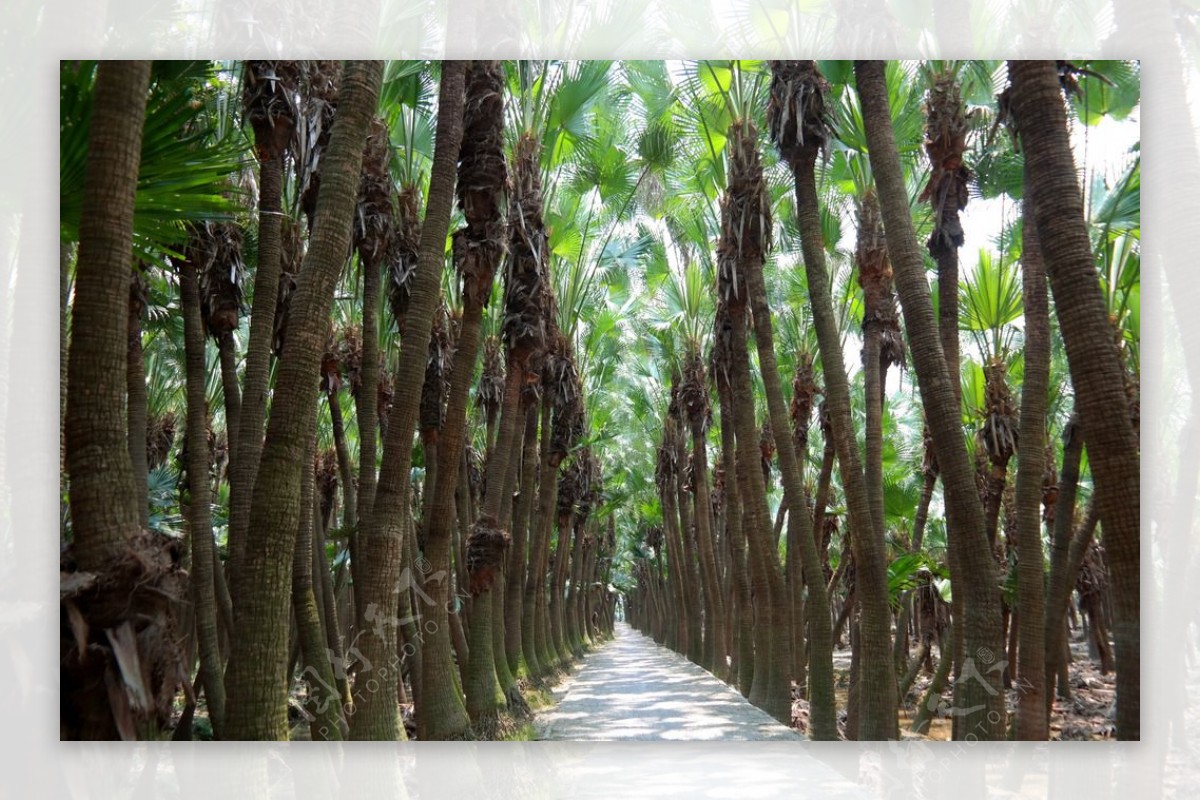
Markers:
(745, 239)
(269, 96)
(258, 661)
(104, 506)
(382, 535)
(981, 618)
(1037, 107)
(800, 137)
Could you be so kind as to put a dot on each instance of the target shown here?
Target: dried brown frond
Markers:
(269, 95)
(403, 253)
(374, 221)
(945, 143)
(745, 215)
(797, 114)
(999, 432)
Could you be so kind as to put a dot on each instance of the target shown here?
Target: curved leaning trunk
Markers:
(256, 677)
(977, 580)
(1096, 371)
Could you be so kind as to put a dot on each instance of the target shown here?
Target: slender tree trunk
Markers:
(233, 394)
(380, 540)
(878, 692)
(1096, 372)
(366, 402)
(135, 379)
(1031, 721)
(256, 677)
(104, 506)
(345, 468)
(705, 532)
(258, 356)
(769, 589)
(200, 504)
(324, 701)
(532, 641)
(800, 524)
(1060, 583)
(516, 628)
(485, 696)
(744, 653)
(983, 635)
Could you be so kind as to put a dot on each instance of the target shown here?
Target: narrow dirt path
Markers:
(633, 689)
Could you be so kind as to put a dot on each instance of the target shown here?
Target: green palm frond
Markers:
(185, 168)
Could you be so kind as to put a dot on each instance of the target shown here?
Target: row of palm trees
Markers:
(637, 218)
(777, 604)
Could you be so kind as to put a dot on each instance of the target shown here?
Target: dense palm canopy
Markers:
(597, 239)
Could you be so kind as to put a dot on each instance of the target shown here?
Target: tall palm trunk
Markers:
(199, 514)
(232, 392)
(268, 88)
(799, 137)
(256, 678)
(135, 379)
(381, 537)
(104, 508)
(1061, 583)
(532, 639)
(744, 653)
(373, 234)
(800, 525)
(696, 405)
(521, 554)
(486, 549)
(984, 697)
(1096, 372)
(1032, 723)
(324, 700)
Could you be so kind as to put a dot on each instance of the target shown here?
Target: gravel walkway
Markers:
(634, 689)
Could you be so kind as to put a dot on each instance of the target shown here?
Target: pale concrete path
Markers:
(634, 689)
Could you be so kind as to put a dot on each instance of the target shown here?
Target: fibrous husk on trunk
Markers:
(160, 436)
(875, 277)
(526, 292)
(327, 480)
(805, 390)
(745, 214)
(291, 259)
(348, 351)
(403, 253)
(486, 547)
(119, 659)
(693, 394)
(269, 95)
(489, 393)
(216, 250)
(437, 369)
(320, 82)
(945, 142)
(482, 183)
(999, 432)
(373, 219)
(797, 116)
